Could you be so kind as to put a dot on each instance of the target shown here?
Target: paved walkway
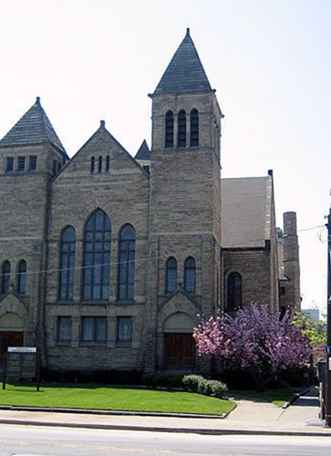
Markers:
(249, 417)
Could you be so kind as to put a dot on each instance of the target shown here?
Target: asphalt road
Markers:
(34, 441)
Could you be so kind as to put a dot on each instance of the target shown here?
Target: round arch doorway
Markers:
(179, 348)
(11, 332)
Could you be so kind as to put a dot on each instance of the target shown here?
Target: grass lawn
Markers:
(277, 396)
(113, 398)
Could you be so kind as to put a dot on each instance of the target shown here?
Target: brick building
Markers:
(106, 260)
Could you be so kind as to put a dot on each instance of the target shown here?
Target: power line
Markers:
(116, 263)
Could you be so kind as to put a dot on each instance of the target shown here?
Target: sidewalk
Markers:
(248, 418)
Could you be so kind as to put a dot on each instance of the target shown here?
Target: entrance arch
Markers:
(11, 332)
(179, 349)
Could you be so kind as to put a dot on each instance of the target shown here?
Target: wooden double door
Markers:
(179, 351)
(9, 339)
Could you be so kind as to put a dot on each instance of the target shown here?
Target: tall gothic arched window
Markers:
(67, 264)
(21, 278)
(92, 165)
(96, 260)
(169, 129)
(171, 275)
(189, 275)
(194, 128)
(5, 277)
(126, 263)
(181, 130)
(234, 292)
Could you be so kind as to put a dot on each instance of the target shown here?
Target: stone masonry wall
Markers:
(123, 194)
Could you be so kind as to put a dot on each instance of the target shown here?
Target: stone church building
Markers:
(106, 260)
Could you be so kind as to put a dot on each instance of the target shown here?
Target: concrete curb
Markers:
(112, 412)
(166, 429)
(294, 398)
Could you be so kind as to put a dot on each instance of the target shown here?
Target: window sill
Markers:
(125, 302)
(123, 344)
(63, 344)
(91, 302)
(92, 344)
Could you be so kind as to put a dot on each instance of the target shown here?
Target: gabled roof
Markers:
(246, 208)
(34, 127)
(185, 72)
(143, 152)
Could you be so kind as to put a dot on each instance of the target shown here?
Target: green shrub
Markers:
(191, 382)
(215, 388)
(198, 384)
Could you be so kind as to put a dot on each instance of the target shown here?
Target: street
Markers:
(48, 441)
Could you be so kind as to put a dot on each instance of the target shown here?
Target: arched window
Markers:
(181, 131)
(169, 129)
(108, 163)
(189, 275)
(194, 130)
(100, 164)
(5, 277)
(92, 165)
(21, 278)
(96, 261)
(171, 275)
(126, 263)
(67, 264)
(234, 294)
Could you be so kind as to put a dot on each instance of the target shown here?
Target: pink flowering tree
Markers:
(255, 340)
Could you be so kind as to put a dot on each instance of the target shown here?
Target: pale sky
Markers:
(268, 59)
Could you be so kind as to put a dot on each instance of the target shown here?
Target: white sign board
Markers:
(22, 349)
(330, 363)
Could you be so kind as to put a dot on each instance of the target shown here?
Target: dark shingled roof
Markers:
(185, 72)
(34, 127)
(143, 152)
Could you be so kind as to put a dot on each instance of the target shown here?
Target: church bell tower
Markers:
(185, 208)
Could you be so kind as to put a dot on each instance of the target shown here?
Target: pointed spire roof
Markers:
(185, 72)
(143, 152)
(34, 127)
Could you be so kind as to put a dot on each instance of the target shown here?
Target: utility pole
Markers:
(328, 333)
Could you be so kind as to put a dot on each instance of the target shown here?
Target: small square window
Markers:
(32, 163)
(64, 327)
(21, 164)
(94, 329)
(9, 164)
(124, 330)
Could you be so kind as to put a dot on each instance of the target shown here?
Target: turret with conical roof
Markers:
(31, 153)
(186, 130)
(185, 73)
(33, 132)
(34, 127)
(185, 198)
(143, 156)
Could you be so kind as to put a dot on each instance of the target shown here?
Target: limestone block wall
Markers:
(254, 267)
(122, 193)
